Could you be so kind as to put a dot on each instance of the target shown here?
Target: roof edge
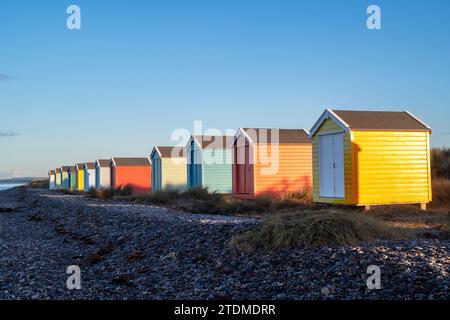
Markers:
(328, 114)
(418, 120)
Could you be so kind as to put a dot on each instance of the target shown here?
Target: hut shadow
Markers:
(288, 186)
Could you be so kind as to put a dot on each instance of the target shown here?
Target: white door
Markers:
(338, 151)
(326, 174)
(331, 166)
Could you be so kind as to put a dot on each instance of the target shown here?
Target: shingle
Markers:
(131, 161)
(171, 152)
(267, 135)
(380, 120)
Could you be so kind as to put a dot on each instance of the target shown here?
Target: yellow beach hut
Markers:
(79, 168)
(369, 158)
(169, 169)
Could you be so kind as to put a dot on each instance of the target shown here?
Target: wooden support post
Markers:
(423, 206)
(366, 208)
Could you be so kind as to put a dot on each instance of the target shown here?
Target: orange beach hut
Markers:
(133, 172)
(271, 161)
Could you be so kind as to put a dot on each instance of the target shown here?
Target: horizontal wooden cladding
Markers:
(383, 135)
(329, 126)
(174, 173)
(412, 198)
(391, 167)
(289, 168)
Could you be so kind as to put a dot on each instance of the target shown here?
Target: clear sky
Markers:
(137, 70)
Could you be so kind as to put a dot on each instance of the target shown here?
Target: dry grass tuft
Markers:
(320, 228)
(440, 163)
(441, 193)
(200, 200)
(108, 193)
(39, 184)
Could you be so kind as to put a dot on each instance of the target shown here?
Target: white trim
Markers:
(155, 149)
(306, 131)
(339, 119)
(328, 114)
(113, 163)
(195, 140)
(418, 120)
(236, 135)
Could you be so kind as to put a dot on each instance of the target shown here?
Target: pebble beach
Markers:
(129, 251)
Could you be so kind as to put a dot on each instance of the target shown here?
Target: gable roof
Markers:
(89, 165)
(51, 172)
(168, 152)
(65, 168)
(71, 169)
(216, 142)
(58, 170)
(79, 166)
(103, 163)
(130, 162)
(266, 135)
(372, 120)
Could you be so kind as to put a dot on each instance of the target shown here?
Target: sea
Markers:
(6, 186)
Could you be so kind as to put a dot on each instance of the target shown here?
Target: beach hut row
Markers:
(361, 158)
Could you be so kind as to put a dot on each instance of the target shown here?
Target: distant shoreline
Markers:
(7, 186)
(24, 180)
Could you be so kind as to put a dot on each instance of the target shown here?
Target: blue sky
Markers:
(137, 70)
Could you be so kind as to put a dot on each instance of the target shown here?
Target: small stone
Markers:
(325, 291)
